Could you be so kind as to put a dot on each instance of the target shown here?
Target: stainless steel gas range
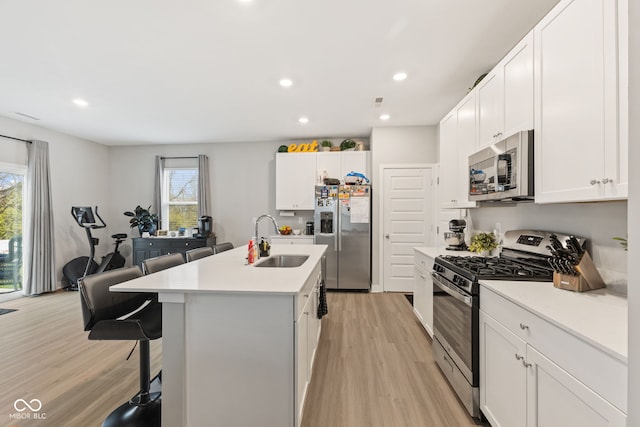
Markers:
(525, 257)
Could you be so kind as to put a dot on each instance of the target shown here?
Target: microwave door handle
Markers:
(443, 286)
(506, 158)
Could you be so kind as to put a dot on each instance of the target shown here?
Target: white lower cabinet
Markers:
(519, 386)
(503, 378)
(556, 398)
(423, 291)
(307, 334)
(295, 240)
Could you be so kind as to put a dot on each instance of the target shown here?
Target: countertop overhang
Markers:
(228, 272)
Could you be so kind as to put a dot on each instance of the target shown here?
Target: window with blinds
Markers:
(180, 197)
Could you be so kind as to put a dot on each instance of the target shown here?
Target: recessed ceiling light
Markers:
(385, 117)
(399, 76)
(286, 82)
(81, 102)
(303, 120)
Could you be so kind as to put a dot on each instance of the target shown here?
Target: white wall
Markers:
(78, 175)
(413, 144)
(634, 212)
(597, 222)
(243, 186)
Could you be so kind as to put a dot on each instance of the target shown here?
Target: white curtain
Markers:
(157, 191)
(39, 269)
(204, 204)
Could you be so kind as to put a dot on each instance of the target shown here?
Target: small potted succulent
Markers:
(326, 145)
(483, 243)
(143, 219)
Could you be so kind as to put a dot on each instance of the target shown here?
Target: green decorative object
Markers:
(623, 242)
(283, 149)
(483, 242)
(326, 143)
(143, 219)
(347, 144)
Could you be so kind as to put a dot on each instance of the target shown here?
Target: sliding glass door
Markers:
(11, 219)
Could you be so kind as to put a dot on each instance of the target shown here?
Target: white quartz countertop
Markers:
(227, 273)
(598, 317)
(432, 251)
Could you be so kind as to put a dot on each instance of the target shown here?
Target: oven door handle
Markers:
(450, 290)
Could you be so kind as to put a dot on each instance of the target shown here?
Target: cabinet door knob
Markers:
(607, 181)
(523, 326)
(518, 357)
(525, 364)
(386, 236)
(594, 182)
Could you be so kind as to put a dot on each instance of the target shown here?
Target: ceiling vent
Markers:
(378, 100)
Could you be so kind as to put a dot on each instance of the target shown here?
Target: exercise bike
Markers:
(77, 269)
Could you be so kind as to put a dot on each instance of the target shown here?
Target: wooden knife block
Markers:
(588, 278)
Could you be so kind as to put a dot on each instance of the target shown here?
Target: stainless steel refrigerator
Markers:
(342, 220)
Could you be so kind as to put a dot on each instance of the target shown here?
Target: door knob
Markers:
(386, 236)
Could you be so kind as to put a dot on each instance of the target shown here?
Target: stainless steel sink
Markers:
(283, 261)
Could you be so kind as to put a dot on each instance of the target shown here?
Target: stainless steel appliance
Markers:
(525, 256)
(342, 220)
(454, 238)
(504, 170)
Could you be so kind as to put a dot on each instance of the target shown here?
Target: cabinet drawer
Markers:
(423, 261)
(305, 293)
(598, 370)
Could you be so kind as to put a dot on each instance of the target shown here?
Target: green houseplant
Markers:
(326, 145)
(143, 219)
(483, 243)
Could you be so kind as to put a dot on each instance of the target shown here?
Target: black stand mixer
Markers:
(454, 238)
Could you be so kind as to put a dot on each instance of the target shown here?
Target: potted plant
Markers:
(143, 219)
(483, 243)
(326, 145)
(348, 145)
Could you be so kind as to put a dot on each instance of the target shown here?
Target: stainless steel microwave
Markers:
(504, 170)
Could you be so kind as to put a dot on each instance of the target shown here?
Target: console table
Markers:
(150, 247)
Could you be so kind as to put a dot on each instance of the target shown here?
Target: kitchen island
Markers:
(238, 340)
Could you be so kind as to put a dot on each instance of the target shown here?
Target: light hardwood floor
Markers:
(45, 355)
(374, 366)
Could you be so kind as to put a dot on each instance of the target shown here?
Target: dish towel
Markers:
(322, 301)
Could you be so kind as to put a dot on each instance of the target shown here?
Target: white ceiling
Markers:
(159, 71)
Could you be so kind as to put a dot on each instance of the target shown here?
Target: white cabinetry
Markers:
(292, 240)
(533, 373)
(339, 163)
(295, 180)
(505, 95)
(423, 291)
(580, 102)
(307, 335)
(457, 142)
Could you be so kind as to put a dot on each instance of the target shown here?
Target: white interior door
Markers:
(408, 221)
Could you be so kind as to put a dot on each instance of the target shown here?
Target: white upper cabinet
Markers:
(338, 164)
(295, 181)
(580, 102)
(457, 142)
(490, 108)
(505, 95)
(517, 69)
(354, 161)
